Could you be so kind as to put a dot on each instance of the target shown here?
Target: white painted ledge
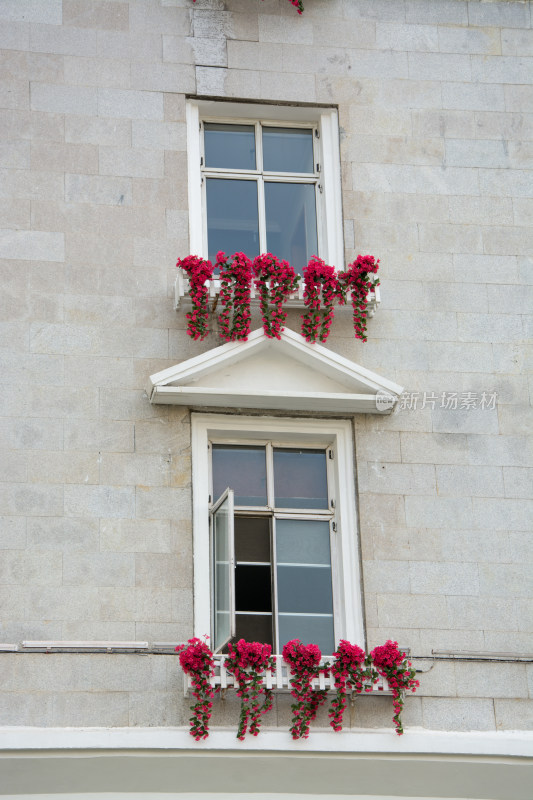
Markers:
(414, 741)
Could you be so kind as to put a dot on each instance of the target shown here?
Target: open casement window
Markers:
(264, 178)
(223, 570)
(295, 559)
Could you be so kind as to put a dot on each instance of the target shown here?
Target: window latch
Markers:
(334, 527)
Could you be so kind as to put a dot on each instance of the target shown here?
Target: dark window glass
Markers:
(229, 146)
(243, 469)
(232, 221)
(253, 588)
(288, 150)
(252, 539)
(255, 628)
(291, 231)
(300, 478)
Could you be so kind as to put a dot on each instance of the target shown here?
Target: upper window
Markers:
(261, 184)
(275, 533)
(264, 179)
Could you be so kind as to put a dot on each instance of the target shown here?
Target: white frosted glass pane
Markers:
(301, 541)
(291, 222)
(222, 578)
(229, 146)
(300, 478)
(288, 150)
(310, 630)
(305, 590)
(232, 221)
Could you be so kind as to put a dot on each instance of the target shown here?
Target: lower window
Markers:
(275, 531)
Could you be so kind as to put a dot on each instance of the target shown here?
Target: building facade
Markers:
(137, 132)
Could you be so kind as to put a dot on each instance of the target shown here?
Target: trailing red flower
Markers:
(304, 667)
(357, 282)
(199, 272)
(197, 660)
(275, 281)
(321, 290)
(248, 662)
(352, 672)
(393, 665)
(235, 290)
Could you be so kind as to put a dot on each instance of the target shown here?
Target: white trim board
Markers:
(284, 374)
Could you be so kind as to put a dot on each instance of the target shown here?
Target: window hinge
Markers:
(332, 503)
(318, 167)
(201, 161)
(317, 133)
(320, 187)
(199, 126)
(330, 455)
(334, 527)
(210, 499)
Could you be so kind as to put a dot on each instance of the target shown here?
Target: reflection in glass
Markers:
(242, 468)
(229, 146)
(310, 630)
(291, 222)
(303, 541)
(222, 577)
(232, 222)
(288, 150)
(300, 479)
(252, 539)
(304, 590)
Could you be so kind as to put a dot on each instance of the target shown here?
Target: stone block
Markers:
(491, 680)
(415, 179)
(97, 131)
(153, 604)
(162, 78)
(34, 709)
(503, 240)
(500, 514)
(162, 502)
(63, 99)
(439, 66)
(437, 678)
(131, 162)
(508, 641)
(523, 210)
(406, 479)
(473, 96)
(470, 481)
(514, 714)
(62, 534)
(98, 569)
(504, 580)
(32, 245)
(147, 709)
(15, 36)
(181, 50)
(129, 404)
(160, 570)
(507, 183)
(47, 401)
(36, 499)
(14, 214)
(458, 714)
(500, 451)
(99, 501)
(15, 155)
(485, 41)
(98, 189)
(385, 576)
(518, 481)
(103, 72)
(452, 578)
(93, 709)
(501, 69)
(516, 42)
(410, 611)
(378, 446)
(475, 545)
(438, 512)
(517, 419)
(12, 533)
(447, 12)
(481, 210)
(467, 153)
(457, 419)
(126, 673)
(438, 639)
(135, 45)
(61, 603)
(99, 436)
(33, 368)
(101, 630)
(115, 604)
(395, 36)
(50, 467)
(98, 15)
(147, 470)
(449, 356)
(130, 104)
(389, 10)
(136, 536)
(159, 135)
(509, 15)
(460, 238)
(62, 40)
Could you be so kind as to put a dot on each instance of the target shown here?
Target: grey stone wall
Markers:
(436, 115)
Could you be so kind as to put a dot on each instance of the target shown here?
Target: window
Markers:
(264, 179)
(275, 541)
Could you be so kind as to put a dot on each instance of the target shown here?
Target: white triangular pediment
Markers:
(286, 374)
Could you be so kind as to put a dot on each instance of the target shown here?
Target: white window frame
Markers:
(327, 153)
(336, 435)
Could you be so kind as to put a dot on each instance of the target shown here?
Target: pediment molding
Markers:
(279, 374)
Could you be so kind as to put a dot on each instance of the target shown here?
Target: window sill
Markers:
(278, 681)
(296, 300)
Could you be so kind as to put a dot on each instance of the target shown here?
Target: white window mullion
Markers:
(262, 215)
(275, 588)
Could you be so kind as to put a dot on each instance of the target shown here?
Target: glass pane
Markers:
(232, 223)
(229, 146)
(291, 222)
(255, 628)
(242, 468)
(253, 588)
(304, 589)
(252, 539)
(302, 541)
(300, 478)
(222, 571)
(288, 150)
(310, 630)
